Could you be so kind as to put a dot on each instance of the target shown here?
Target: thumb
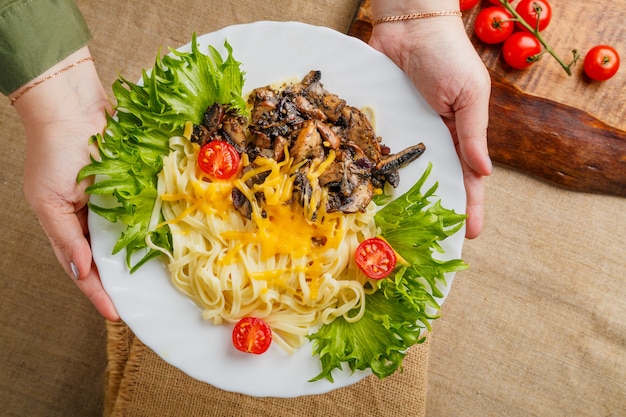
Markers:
(470, 122)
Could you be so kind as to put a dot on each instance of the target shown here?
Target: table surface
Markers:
(578, 26)
(562, 128)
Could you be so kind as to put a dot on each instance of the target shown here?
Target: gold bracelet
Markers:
(48, 77)
(417, 16)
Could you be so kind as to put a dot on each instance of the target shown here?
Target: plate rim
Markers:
(130, 318)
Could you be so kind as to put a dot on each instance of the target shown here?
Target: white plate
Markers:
(168, 322)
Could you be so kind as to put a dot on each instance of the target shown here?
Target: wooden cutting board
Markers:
(564, 129)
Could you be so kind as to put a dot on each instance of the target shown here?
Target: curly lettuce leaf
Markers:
(396, 315)
(179, 89)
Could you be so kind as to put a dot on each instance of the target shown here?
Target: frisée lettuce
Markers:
(396, 315)
(179, 89)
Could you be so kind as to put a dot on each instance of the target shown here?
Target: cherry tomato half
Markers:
(252, 335)
(493, 24)
(219, 159)
(467, 4)
(521, 50)
(531, 10)
(375, 257)
(601, 62)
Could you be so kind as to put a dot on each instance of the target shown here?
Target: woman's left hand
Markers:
(441, 61)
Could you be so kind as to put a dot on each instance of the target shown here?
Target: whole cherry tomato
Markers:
(252, 335)
(601, 62)
(521, 50)
(375, 257)
(537, 13)
(219, 159)
(467, 4)
(494, 24)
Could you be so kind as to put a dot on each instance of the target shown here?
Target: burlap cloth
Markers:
(139, 383)
(527, 222)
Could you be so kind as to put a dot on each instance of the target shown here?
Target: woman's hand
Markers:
(59, 116)
(441, 61)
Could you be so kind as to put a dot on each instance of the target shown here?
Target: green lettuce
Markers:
(179, 89)
(402, 307)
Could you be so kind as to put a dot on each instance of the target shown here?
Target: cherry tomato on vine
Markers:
(521, 50)
(219, 159)
(493, 24)
(601, 62)
(252, 335)
(375, 257)
(530, 10)
(467, 4)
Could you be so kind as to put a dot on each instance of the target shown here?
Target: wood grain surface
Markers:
(564, 129)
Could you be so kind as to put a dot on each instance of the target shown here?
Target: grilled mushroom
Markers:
(309, 121)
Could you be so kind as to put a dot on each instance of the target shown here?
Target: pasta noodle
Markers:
(291, 266)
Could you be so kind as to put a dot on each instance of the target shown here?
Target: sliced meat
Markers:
(329, 104)
(333, 175)
(200, 134)
(332, 106)
(302, 189)
(359, 199)
(307, 108)
(233, 129)
(212, 119)
(359, 131)
(241, 203)
(279, 148)
(308, 144)
(328, 134)
(265, 103)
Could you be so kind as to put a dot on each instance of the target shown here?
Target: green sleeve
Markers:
(35, 35)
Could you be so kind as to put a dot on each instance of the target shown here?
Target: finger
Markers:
(475, 189)
(92, 287)
(73, 251)
(471, 122)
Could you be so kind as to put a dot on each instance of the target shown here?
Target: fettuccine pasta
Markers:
(291, 266)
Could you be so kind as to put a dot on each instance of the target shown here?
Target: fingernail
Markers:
(75, 270)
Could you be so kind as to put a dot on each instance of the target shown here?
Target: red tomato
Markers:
(219, 159)
(375, 257)
(601, 62)
(468, 4)
(252, 335)
(521, 50)
(493, 24)
(531, 10)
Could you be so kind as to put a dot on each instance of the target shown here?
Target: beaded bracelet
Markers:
(48, 77)
(416, 16)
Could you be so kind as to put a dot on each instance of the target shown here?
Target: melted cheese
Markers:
(208, 196)
(282, 227)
